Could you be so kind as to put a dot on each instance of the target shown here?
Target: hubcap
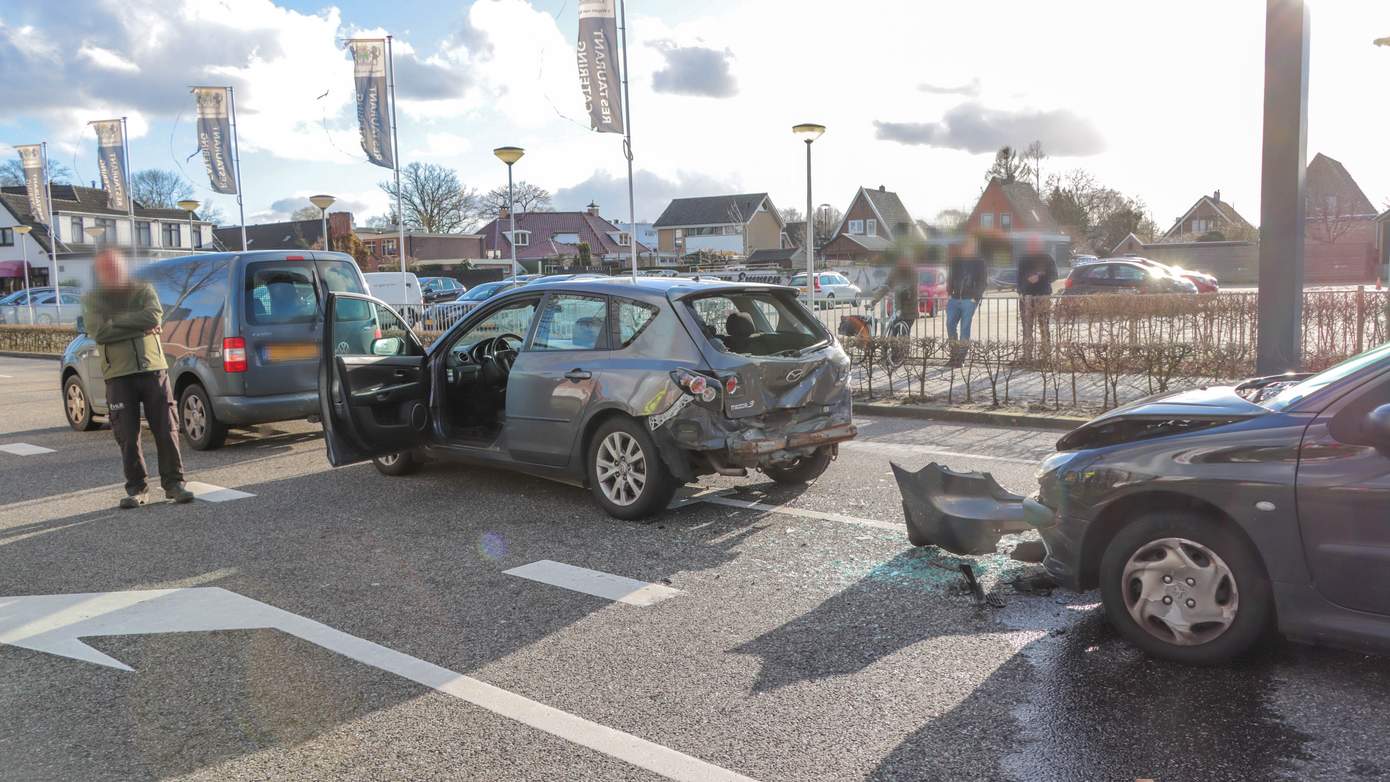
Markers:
(77, 403)
(389, 460)
(621, 468)
(1180, 591)
(194, 418)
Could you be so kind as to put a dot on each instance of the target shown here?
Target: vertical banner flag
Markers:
(598, 71)
(369, 73)
(35, 180)
(214, 135)
(111, 162)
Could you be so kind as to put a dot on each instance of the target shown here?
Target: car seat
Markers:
(739, 327)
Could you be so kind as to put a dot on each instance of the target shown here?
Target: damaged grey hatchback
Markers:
(629, 387)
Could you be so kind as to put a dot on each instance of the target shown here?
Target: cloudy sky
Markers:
(1160, 100)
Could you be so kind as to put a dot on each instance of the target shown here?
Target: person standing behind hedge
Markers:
(966, 277)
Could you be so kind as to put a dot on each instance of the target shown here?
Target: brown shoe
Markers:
(134, 500)
(179, 494)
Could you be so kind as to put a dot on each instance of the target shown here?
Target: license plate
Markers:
(291, 351)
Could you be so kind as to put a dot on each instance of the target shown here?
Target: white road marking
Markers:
(55, 624)
(6, 377)
(594, 582)
(907, 449)
(213, 493)
(802, 512)
(24, 449)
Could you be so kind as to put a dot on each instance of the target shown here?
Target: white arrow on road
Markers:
(56, 624)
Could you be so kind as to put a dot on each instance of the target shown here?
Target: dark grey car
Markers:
(1207, 517)
(631, 388)
(241, 335)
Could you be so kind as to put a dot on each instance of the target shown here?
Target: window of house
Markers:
(624, 239)
(856, 227)
(142, 233)
(1332, 204)
(871, 227)
(522, 238)
(389, 247)
(108, 226)
(6, 237)
(77, 236)
(565, 238)
(197, 237)
(1006, 220)
(987, 220)
(170, 234)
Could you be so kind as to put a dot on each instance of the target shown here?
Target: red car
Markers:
(931, 289)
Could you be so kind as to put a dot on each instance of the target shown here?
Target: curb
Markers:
(17, 354)
(953, 415)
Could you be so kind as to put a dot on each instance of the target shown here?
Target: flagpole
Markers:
(627, 146)
(130, 191)
(236, 163)
(52, 234)
(396, 161)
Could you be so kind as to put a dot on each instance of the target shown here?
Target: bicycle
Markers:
(858, 333)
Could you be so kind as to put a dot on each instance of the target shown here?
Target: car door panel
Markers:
(1344, 502)
(372, 402)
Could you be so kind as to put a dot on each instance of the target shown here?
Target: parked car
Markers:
(1207, 517)
(240, 335)
(1123, 276)
(436, 289)
(832, 289)
(387, 286)
(441, 316)
(630, 388)
(44, 306)
(931, 290)
(1205, 283)
(1004, 279)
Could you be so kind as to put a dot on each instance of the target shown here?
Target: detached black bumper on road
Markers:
(963, 512)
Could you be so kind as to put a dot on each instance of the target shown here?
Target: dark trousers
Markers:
(1037, 324)
(125, 396)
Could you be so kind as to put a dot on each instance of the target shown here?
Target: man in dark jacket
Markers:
(966, 278)
(124, 319)
(901, 282)
(1036, 273)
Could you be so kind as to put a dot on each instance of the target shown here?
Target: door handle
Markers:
(400, 373)
(577, 375)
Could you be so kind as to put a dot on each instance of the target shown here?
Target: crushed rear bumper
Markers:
(964, 512)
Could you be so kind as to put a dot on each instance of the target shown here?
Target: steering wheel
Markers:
(501, 353)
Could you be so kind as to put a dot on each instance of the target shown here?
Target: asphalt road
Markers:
(808, 640)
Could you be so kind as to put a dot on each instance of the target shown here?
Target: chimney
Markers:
(882, 189)
(503, 213)
(1216, 196)
(593, 209)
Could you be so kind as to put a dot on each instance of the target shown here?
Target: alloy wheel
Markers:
(1179, 591)
(195, 418)
(77, 403)
(621, 468)
(390, 459)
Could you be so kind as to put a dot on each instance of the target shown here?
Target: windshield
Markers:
(1302, 390)
(483, 291)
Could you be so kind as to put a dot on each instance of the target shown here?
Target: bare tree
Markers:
(306, 213)
(1009, 166)
(434, 200)
(1033, 158)
(212, 213)
(526, 196)
(156, 188)
(791, 214)
(1330, 214)
(827, 220)
(12, 173)
(950, 220)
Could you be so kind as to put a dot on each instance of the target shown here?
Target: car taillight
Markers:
(731, 385)
(817, 283)
(233, 354)
(1066, 283)
(696, 385)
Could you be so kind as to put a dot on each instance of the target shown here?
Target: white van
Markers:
(387, 287)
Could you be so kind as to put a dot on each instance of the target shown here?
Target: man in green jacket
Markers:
(124, 319)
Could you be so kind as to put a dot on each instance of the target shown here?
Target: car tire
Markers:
(198, 422)
(395, 464)
(77, 407)
(45, 319)
(1229, 578)
(804, 470)
(623, 442)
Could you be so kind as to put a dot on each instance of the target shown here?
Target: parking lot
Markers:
(339, 624)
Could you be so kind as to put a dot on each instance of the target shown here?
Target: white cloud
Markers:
(105, 58)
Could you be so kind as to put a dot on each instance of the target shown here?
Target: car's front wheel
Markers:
(399, 463)
(626, 474)
(1186, 588)
(77, 406)
(198, 420)
(804, 469)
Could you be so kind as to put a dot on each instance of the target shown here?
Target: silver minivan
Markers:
(629, 387)
(241, 335)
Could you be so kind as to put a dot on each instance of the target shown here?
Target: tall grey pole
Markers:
(52, 234)
(129, 192)
(28, 290)
(396, 159)
(190, 229)
(1284, 165)
(511, 213)
(323, 214)
(810, 244)
(236, 163)
(627, 147)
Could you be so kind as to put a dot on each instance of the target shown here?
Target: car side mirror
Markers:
(388, 346)
(1378, 427)
(81, 325)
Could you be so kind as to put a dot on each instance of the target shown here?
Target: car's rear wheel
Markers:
(198, 420)
(77, 406)
(1185, 587)
(399, 463)
(803, 470)
(626, 474)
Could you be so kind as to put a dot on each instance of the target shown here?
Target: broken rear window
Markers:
(757, 322)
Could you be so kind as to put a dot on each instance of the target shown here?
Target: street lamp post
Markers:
(809, 132)
(323, 202)
(190, 206)
(510, 155)
(23, 231)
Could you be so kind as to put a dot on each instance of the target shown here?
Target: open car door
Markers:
(373, 381)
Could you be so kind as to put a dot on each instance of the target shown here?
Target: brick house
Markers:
(733, 225)
(1339, 243)
(1011, 207)
(874, 221)
(551, 240)
(425, 253)
(1211, 219)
